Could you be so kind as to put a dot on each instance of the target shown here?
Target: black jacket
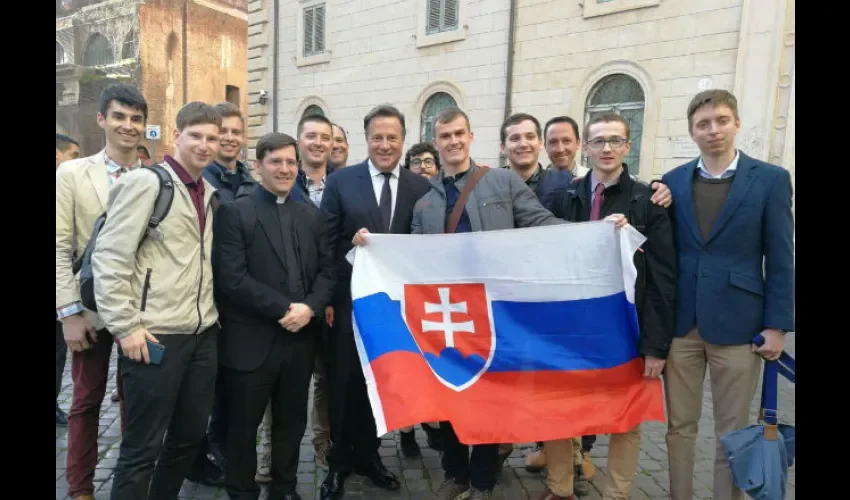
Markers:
(252, 284)
(655, 288)
(217, 175)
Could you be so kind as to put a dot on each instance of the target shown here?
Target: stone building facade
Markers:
(643, 59)
(175, 51)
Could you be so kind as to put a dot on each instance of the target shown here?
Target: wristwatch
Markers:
(69, 310)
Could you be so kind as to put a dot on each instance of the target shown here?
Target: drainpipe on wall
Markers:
(509, 76)
(275, 50)
(185, 52)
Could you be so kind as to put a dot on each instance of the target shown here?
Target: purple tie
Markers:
(596, 206)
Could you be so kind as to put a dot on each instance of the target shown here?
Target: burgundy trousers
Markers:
(90, 371)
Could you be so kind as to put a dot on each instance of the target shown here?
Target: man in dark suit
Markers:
(274, 276)
(375, 196)
(734, 233)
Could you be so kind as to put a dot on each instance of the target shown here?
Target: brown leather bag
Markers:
(471, 181)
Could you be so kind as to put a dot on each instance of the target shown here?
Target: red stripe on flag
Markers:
(519, 407)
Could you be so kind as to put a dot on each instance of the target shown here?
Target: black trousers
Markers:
(61, 356)
(218, 417)
(353, 431)
(284, 377)
(213, 443)
(587, 442)
(478, 469)
(174, 396)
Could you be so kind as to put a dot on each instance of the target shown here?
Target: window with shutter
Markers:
(442, 16)
(314, 30)
(312, 46)
(308, 31)
(319, 30)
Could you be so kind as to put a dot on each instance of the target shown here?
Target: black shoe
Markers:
(435, 441)
(333, 487)
(205, 471)
(380, 476)
(115, 396)
(61, 417)
(409, 446)
(293, 495)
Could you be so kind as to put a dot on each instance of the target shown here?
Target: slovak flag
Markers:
(514, 336)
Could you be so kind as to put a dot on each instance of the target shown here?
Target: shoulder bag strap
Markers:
(454, 218)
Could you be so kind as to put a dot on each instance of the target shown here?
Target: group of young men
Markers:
(228, 306)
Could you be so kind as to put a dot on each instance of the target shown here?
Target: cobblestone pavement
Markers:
(423, 475)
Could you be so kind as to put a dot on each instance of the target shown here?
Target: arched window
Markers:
(430, 110)
(98, 51)
(60, 54)
(313, 110)
(622, 95)
(128, 51)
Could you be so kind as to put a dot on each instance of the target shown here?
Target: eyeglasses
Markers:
(615, 142)
(428, 162)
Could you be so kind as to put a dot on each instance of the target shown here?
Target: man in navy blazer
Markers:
(734, 233)
(375, 196)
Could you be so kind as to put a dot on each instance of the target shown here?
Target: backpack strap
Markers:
(457, 211)
(164, 198)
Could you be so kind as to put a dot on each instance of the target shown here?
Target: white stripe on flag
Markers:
(564, 262)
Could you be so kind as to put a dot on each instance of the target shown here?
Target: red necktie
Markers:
(596, 206)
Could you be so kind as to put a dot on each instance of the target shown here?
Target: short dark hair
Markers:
(274, 141)
(228, 109)
(344, 134)
(384, 110)
(197, 113)
(608, 118)
(448, 115)
(515, 119)
(418, 149)
(141, 149)
(312, 118)
(714, 97)
(561, 119)
(125, 94)
(63, 142)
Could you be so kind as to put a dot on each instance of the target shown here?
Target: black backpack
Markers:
(160, 209)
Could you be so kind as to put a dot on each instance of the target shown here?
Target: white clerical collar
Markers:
(374, 172)
(281, 200)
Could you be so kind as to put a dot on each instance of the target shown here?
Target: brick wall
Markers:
(217, 48)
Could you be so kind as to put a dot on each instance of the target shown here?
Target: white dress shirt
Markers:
(728, 172)
(378, 185)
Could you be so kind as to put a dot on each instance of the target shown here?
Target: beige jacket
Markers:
(82, 190)
(164, 284)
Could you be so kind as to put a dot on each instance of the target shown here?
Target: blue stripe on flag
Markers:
(581, 334)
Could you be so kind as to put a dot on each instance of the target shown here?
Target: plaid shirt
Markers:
(115, 170)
